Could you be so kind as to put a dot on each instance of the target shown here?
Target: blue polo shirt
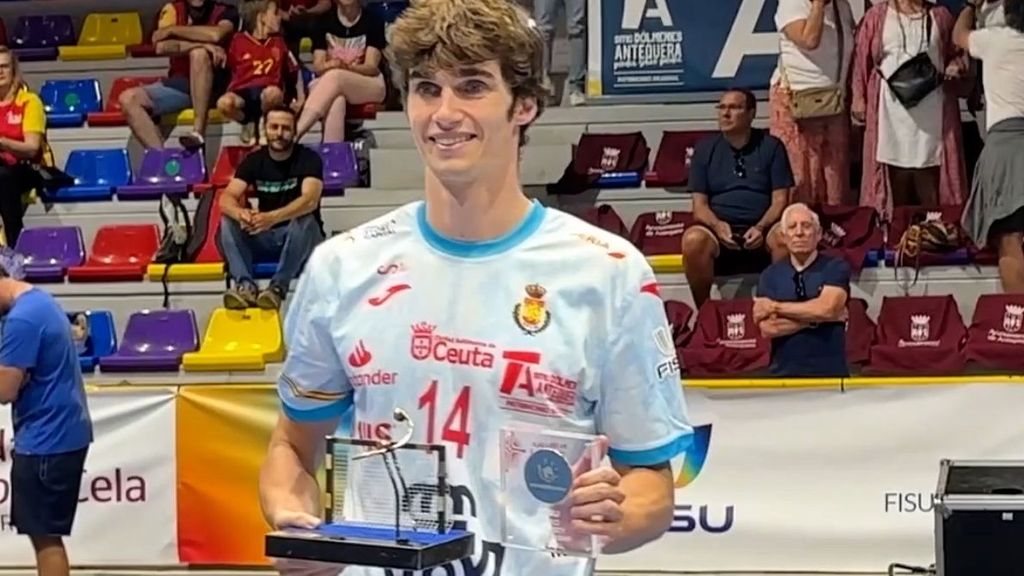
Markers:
(818, 351)
(50, 414)
(739, 182)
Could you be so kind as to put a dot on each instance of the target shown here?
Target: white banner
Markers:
(127, 505)
(822, 480)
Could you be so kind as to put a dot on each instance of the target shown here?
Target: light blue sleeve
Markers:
(313, 385)
(641, 407)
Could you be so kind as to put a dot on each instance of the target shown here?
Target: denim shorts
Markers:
(169, 96)
(44, 492)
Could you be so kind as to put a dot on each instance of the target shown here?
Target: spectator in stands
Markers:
(545, 12)
(300, 20)
(22, 141)
(989, 14)
(801, 303)
(740, 180)
(287, 179)
(260, 66)
(913, 154)
(348, 53)
(193, 34)
(816, 44)
(40, 377)
(994, 214)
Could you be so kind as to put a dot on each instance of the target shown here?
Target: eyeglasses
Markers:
(739, 165)
(801, 288)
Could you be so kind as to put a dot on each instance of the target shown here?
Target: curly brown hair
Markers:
(433, 35)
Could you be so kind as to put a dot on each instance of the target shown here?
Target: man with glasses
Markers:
(740, 180)
(801, 303)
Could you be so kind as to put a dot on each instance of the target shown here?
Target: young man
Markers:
(483, 309)
(39, 375)
(287, 179)
(261, 66)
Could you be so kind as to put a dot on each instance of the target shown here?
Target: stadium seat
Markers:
(852, 233)
(238, 340)
(606, 218)
(672, 161)
(50, 251)
(228, 159)
(860, 332)
(263, 270)
(604, 161)
(120, 253)
(341, 168)
(37, 38)
(725, 340)
(168, 171)
(659, 235)
(187, 117)
(904, 216)
(67, 102)
(679, 316)
(995, 339)
(154, 341)
(362, 111)
(918, 335)
(208, 264)
(96, 172)
(101, 340)
(105, 36)
(3, 33)
(111, 114)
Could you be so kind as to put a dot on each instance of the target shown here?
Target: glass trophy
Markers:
(538, 468)
(386, 507)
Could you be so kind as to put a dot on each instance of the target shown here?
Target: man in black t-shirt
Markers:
(286, 178)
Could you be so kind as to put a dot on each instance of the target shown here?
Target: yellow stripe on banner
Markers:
(933, 380)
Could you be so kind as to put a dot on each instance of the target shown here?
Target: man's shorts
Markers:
(169, 96)
(44, 492)
(252, 110)
(730, 262)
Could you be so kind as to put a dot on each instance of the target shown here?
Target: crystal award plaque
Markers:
(386, 508)
(538, 468)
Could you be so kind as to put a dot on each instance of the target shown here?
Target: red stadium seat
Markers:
(860, 332)
(679, 316)
(660, 233)
(228, 160)
(850, 233)
(919, 335)
(3, 33)
(672, 162)
(111, 114)
(606, 218)
(120, 253)
(362, 111)
(995, 339)
(726, 341)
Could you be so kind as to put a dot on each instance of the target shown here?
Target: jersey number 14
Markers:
(456, 425)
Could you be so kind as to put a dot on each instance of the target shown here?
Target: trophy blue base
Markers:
(374, 545)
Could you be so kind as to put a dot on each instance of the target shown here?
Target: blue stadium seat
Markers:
(68, 102)
(101, 339)
(264, 269)
(96, 172)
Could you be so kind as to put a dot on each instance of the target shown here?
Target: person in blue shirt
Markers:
(801, 303)
(740, 180)
(40, 376)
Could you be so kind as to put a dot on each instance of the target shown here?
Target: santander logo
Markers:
(360, 356)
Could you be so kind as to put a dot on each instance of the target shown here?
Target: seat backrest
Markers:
(3, 33)
(105, 28)
(43, 31)
(210, 252)
(113, 103)
(227, 161)
(661, 232)
(860, 331)
(50, 246)
(121, 244)
(728, 323)
(248, 330)
(672, 162)
(606, 218)
(107, 167)
(920, 321)
(167, 165)
(160, 332)
(1000, 316)
(679, 315)
(339, 161)
(71, 96)
(102, 337)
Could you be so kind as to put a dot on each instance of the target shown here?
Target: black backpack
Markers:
(183, 237)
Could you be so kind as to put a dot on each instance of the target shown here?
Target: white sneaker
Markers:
(577, 98)
(248, 135)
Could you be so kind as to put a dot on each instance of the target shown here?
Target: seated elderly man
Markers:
(801, 303)
(740, 180)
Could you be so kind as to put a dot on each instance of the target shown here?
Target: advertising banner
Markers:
(822, 480)
(126, 513)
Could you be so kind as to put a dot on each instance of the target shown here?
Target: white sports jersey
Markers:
(557, 324)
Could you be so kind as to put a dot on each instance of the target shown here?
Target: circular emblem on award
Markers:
(548, 476)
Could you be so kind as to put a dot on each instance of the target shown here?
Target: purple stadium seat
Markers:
(169, 171)
(49, 252)
(37, 37)
(341, 168)
(154, 341)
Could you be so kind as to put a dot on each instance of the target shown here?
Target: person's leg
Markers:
(51, 557)
(270, 97)
(576, 25)
(926, 184)
(237, 248)
(201, 92)
(700, 248)
(775, 244)
(232, 107)
(354, 88)
(544, 13)
(12, 211)
(141, 104)
(1011, 262)
(53, 483)
(297, 241)
(901, 184)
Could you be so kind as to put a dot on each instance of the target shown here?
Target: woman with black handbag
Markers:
(906, 81)
(22, 142)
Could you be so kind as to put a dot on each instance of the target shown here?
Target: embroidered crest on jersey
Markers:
(532, 315)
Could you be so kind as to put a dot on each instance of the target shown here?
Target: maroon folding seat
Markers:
(850, 233)
(860, 332)
(904, 216)
(918, 335)
(672, 162)
(606, 218)
(658, 233)
(726, 341)
(604, 161)
(679, 315)
(995, 339)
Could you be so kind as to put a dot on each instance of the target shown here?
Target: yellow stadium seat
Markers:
(187, 272)
(305, 45)
(105, 36)
(238, 340)
(187, 116)
(667, 263)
